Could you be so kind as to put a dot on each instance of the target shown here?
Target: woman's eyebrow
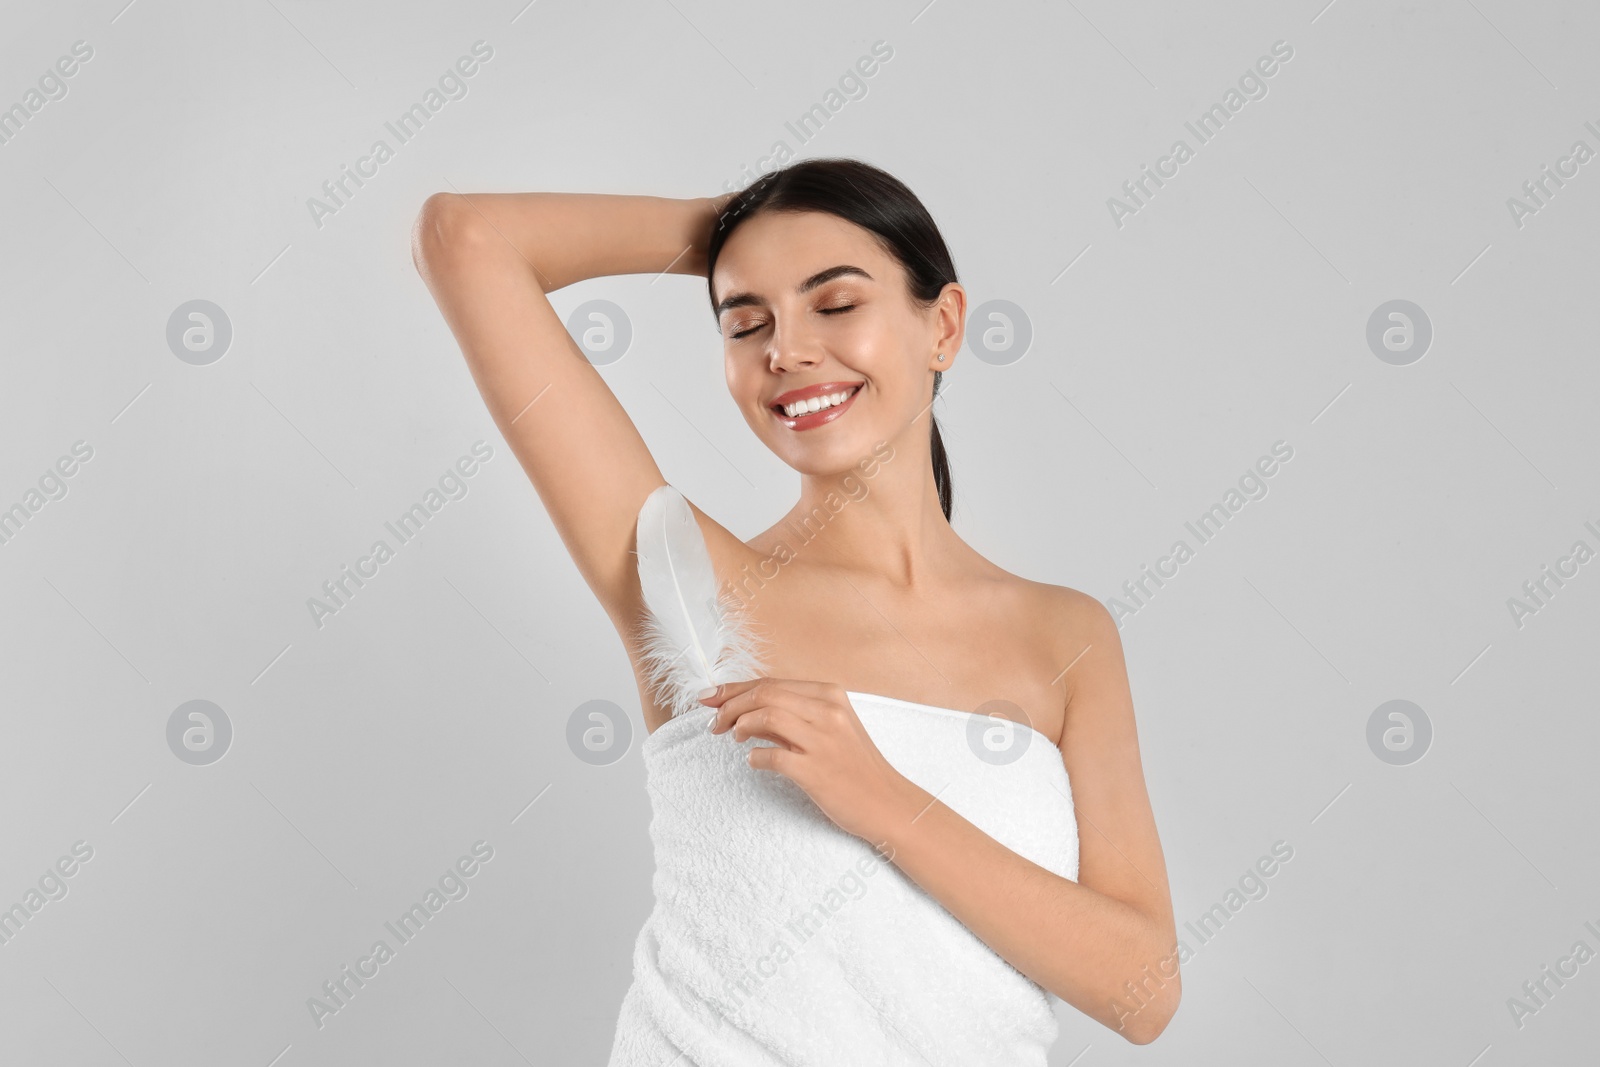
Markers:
(822, 277)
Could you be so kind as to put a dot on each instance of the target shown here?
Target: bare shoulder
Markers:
(1062, 609)
(1073, 636)
(1091, 643)
(1078, 611)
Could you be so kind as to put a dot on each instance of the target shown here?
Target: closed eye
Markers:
(825, 311)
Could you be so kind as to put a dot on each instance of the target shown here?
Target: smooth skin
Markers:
(883, 597)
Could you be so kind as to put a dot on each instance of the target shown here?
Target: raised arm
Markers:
(489, 259)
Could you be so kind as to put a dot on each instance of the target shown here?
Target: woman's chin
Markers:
(826, 458)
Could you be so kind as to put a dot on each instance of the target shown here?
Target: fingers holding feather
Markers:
(734, 699)
(780, 725)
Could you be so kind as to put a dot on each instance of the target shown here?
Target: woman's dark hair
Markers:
(877, 202)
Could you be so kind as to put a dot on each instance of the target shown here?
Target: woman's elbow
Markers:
(1150, 1022)
(447, 223)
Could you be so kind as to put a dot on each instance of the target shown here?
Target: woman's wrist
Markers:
(706, 210)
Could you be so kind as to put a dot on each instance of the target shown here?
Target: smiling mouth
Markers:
(806, 416)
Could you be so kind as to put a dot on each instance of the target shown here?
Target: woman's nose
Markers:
(790, 352)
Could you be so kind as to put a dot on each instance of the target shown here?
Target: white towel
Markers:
(778, 939)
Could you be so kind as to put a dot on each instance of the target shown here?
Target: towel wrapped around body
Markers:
(778, 939)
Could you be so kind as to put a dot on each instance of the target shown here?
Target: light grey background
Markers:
(1168, 354)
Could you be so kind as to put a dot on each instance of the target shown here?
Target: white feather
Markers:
(690, 635)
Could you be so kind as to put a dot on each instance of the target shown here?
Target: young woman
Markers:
(839, 312)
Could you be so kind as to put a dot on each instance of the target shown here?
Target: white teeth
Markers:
(817, 403)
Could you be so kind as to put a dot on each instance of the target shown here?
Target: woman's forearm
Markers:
(1092, 951)
(568, 237)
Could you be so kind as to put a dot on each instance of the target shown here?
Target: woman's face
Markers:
(809, 304)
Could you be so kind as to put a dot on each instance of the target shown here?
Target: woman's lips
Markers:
(813, 419)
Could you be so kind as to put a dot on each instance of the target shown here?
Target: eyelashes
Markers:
(824, 311)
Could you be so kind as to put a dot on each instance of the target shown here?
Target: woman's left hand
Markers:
(823, 748)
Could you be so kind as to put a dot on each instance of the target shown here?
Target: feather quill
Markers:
(690, 635)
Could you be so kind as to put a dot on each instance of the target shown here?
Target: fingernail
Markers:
(711, 724)
(709, 691)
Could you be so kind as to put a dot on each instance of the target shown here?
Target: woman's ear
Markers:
(952, 315)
